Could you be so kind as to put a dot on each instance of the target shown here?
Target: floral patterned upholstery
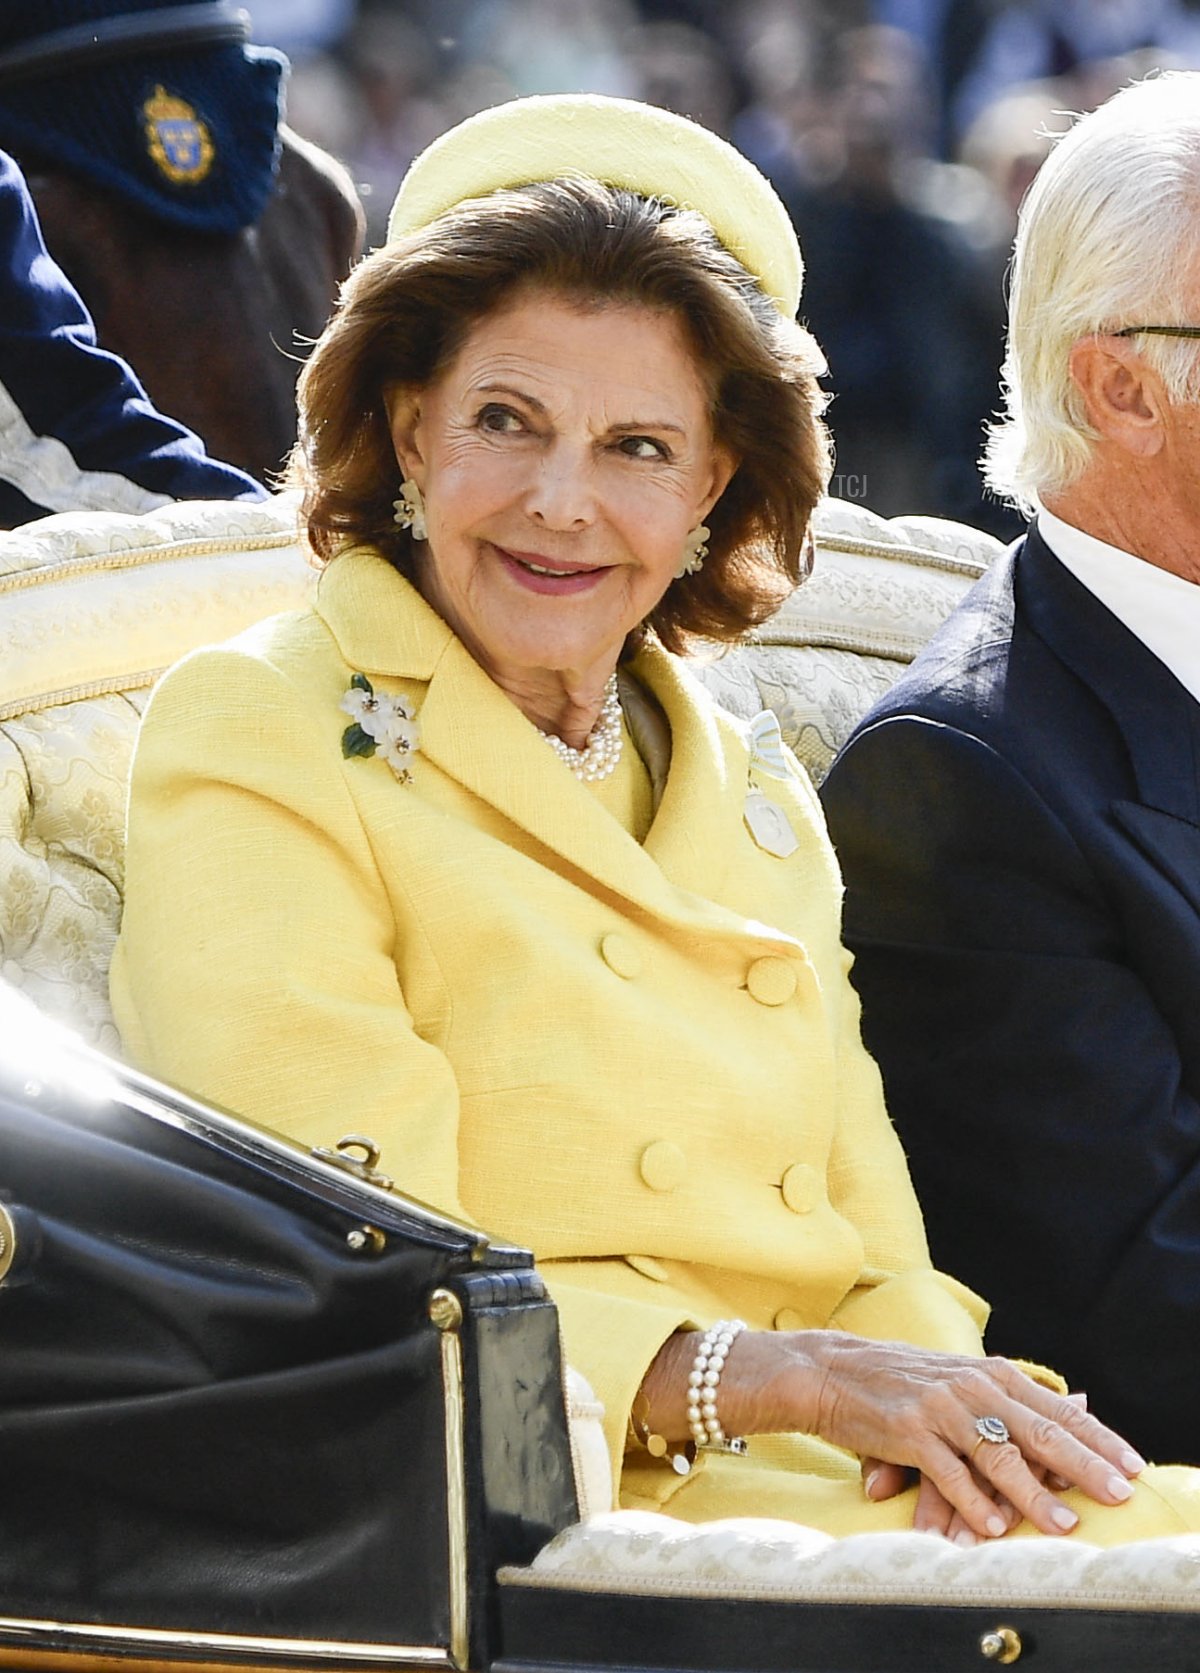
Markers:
(877, 592)
(92, 608)
(94, 605)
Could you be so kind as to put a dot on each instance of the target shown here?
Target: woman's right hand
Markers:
(916, 1409)
(933, 1513)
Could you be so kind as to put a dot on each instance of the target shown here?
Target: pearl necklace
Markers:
(599, 756)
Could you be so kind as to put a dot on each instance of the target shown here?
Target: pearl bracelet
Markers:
(703, 1382)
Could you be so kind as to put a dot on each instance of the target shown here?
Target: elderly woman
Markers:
(461, 857)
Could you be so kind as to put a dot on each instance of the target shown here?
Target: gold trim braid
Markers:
(140, 557)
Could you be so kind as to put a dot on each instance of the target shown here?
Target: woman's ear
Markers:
(1122, 396)
(402, 404)
(724, 467)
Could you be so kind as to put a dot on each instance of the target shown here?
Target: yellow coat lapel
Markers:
(384, 629)
(696, 824)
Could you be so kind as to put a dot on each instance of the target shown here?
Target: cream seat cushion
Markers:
(640, 1552)
(93, 606)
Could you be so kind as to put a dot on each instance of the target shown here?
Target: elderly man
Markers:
(1019, 820)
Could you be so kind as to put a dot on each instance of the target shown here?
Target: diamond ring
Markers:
(994, 1430)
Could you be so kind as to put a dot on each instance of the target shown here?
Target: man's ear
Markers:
(1123, 397)
(401, 402)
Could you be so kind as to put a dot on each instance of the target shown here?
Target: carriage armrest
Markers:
(590, 1463)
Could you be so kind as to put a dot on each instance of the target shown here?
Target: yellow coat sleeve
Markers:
(255, 963)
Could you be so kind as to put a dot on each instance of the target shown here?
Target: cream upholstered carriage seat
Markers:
(634, 1551)
(94, 606)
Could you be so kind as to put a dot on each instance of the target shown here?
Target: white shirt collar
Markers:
(1159, 608)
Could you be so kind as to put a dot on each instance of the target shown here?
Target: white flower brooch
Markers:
(379, 725)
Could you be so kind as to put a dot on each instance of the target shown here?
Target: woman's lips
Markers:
(550, 576)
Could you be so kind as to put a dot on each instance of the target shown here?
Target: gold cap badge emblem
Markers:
(176, 138)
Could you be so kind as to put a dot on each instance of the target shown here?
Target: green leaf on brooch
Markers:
(355, 741)
(360, 682)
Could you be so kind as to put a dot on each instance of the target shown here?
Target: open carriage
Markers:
(258, 1409)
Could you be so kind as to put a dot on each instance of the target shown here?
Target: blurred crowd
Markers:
(901, 134)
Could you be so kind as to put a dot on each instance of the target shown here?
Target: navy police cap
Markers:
(165, 104)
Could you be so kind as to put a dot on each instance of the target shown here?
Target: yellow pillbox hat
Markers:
(622, 143)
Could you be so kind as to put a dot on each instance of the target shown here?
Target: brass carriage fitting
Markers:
(364, 1167)
(445, 1309)
(366, 1240)
(8, 1242)
(1002, 1644)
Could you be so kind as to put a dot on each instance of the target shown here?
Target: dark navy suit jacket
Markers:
(1019, 826)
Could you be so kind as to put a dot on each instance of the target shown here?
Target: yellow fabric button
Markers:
(789, 1318)
(801, 1188)
(662, 1165)
(772, 981)
(621, 956)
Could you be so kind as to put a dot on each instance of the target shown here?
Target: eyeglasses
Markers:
(1157, 331)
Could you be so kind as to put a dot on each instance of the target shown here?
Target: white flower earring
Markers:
(695, 550)
(409, 510)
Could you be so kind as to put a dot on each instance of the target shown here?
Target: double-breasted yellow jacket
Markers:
(641, 1061)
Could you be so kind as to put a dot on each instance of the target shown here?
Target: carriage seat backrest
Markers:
(93, 606)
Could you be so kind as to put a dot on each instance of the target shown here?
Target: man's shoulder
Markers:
(1031, 671)
(961, 675)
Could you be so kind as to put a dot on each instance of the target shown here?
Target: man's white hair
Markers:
(1107, 237)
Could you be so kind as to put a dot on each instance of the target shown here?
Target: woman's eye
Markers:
(642, 447)
(501, 421)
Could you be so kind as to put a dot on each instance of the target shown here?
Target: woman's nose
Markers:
(562, 493)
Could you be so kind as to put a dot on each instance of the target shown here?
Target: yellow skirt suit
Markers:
(640, 1059)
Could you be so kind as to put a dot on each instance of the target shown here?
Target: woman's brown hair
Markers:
(405, 311)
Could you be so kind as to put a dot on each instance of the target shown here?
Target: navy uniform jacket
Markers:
(1019, 826)
(77, 430)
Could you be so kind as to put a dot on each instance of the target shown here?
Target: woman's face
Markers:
(563, 456)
